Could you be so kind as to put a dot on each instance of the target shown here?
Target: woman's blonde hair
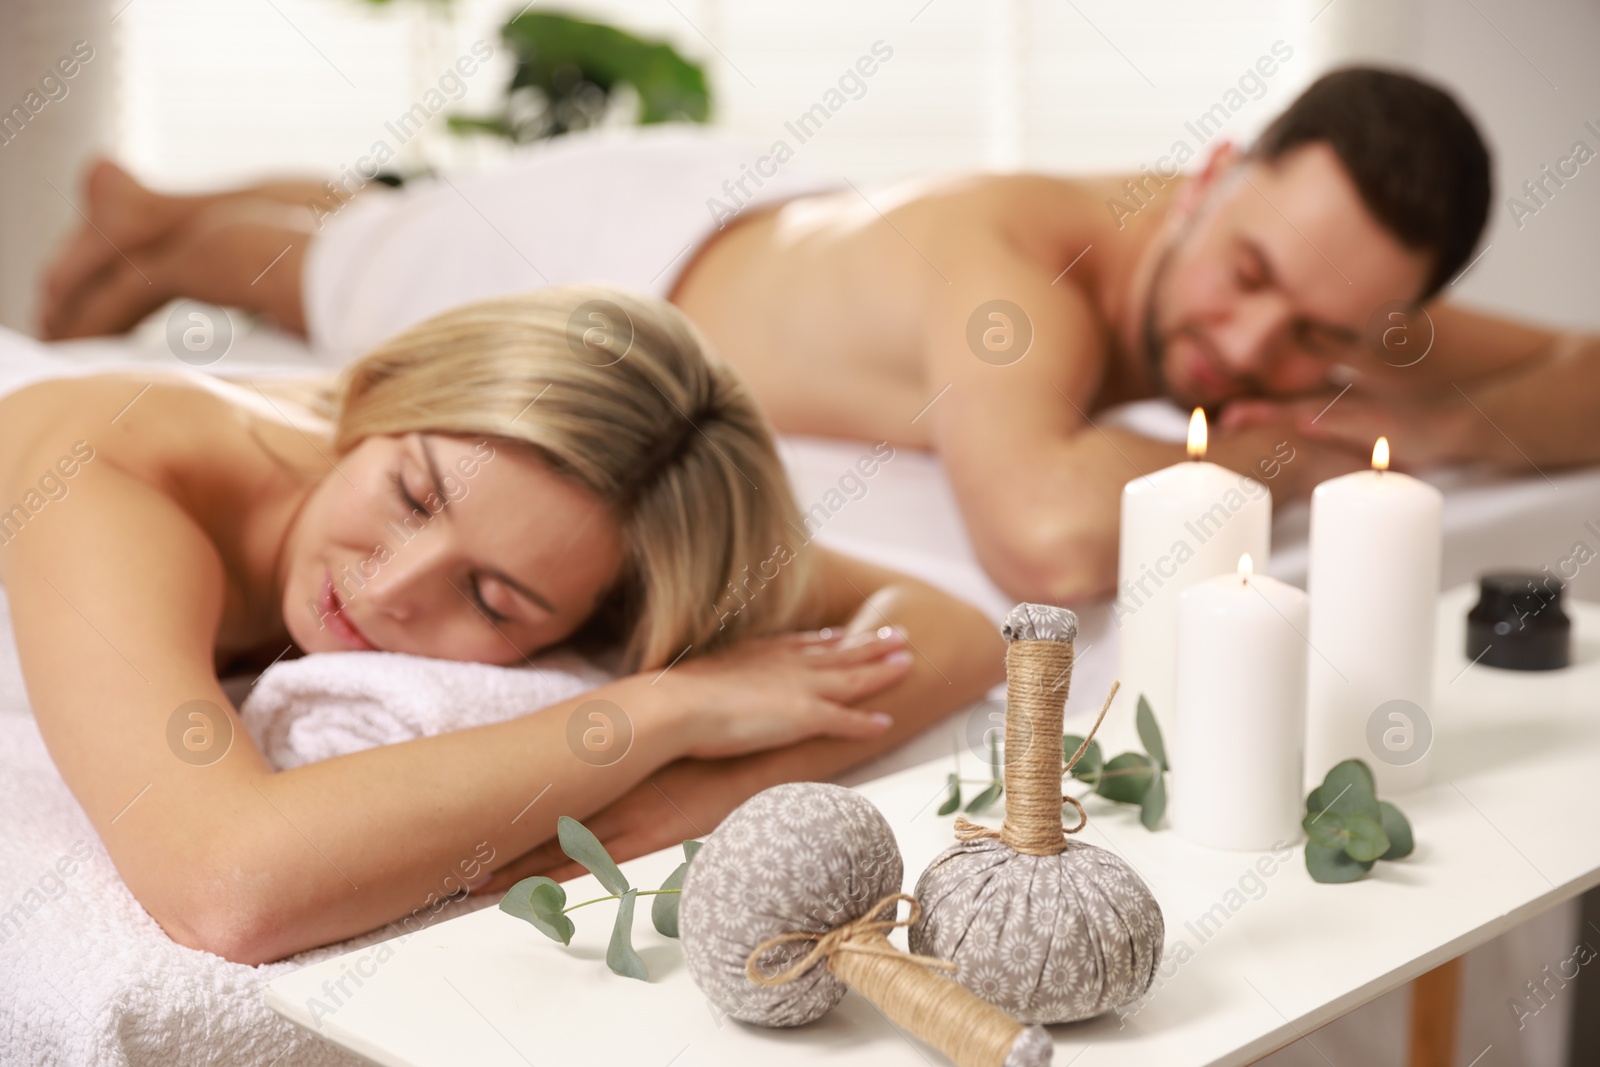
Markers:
(619, 393)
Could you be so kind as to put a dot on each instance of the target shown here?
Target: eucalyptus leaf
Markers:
(1089, 765)
(1326, 828)
(953, 801)
(579, 843)
(1398, 830)
(664, 906)
(1333, 864)
(540, 901)
(1154, 804)
(1150, 733)
(984, 799)
(1126, 778)
(1349, 789)
(1366, 839)
(1314, 802)
(690, 847)
(620, 956)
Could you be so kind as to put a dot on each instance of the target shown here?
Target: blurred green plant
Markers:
(570, 72)
(542, 902)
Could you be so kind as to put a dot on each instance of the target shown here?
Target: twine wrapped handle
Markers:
(911, 992)
(853, 936)
(1039, 660)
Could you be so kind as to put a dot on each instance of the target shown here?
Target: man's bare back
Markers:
(824, 302)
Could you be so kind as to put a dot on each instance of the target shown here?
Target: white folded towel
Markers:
(87, 977)
(328, 704)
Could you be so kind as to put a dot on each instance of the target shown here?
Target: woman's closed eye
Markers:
(482, 604)
(476, 581)
(411, 502)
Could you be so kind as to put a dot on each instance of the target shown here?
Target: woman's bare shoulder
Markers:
(146, 422)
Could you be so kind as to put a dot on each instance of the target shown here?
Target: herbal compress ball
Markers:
(1049, 928)
(800, 856)
(789, 903)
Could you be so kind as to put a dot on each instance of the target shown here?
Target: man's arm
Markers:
(1489, 390)
(1544, 414)
(1038, 482)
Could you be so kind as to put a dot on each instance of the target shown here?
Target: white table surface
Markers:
(1507, 831)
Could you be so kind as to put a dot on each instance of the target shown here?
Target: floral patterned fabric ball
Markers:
(805, 856)
(1050, 939)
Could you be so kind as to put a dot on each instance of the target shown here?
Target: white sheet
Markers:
(623, 207)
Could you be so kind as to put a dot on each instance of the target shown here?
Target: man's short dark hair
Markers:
(1415, 157)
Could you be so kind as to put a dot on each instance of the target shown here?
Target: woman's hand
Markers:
(765, 692)
(960, 655)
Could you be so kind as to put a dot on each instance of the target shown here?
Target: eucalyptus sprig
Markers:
(1131, 778)
(995, 783)
(1349, 828)
(542, 902)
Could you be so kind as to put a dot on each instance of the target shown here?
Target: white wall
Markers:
(61, 121)
(1526, 71)
(1550, 266)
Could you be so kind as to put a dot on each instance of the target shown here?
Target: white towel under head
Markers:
(326, 705)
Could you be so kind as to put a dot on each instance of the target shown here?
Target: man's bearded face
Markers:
(1270, 282)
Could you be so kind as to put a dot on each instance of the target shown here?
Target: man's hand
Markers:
(1276, 454)
(685, 799)
(1423, 432)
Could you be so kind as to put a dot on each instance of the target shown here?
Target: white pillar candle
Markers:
(1374, 585)
(1238, 741)
(1180, 525)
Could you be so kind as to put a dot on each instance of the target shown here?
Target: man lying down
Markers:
(989, 317)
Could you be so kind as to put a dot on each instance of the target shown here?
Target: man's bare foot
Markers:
(139, 248)
(92, 287)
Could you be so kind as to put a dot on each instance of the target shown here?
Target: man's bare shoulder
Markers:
(981, 198)
(1039, 223)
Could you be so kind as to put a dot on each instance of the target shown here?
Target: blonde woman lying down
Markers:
(171, 534)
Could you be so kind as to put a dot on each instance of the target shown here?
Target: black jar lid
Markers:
(1518, 623)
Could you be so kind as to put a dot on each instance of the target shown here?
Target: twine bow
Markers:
(967, 830)
(851, 936)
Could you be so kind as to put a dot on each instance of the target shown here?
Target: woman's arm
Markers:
(116, 594)
(958, 656)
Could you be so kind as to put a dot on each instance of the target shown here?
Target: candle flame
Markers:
(1380, 455)
(1197, 434)
(1246, 566)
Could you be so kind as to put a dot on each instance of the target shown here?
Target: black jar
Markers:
(1518, 623)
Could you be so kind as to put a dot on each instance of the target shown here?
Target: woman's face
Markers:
(446, 547)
